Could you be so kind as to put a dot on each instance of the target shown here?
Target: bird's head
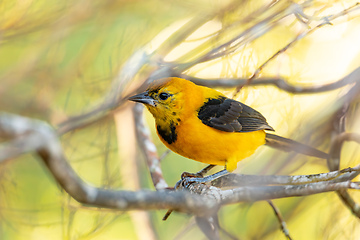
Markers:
(166, 98)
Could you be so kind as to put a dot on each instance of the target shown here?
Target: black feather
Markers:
(169, 137)
(228, 115)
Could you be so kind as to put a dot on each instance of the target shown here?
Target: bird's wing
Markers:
(229, 115)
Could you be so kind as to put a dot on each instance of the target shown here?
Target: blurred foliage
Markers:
(58, 58)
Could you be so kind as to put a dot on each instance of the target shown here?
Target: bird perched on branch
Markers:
(202, 124)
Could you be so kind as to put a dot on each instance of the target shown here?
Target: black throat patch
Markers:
(169, 136)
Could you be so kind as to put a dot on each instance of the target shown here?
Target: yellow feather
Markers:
(194, 139)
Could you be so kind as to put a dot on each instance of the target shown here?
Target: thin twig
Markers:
(209, 226)
(167, 151)
(334, 163)
(280, 83)
(246, 36)
(336, 146)
(280, 219)
(148, 148)
(324, 20)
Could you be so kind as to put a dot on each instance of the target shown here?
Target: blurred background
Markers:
(65, 58)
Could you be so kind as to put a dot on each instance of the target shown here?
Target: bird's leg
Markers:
(187, 180)
(206, 179)
(199, 174)
(205, 170)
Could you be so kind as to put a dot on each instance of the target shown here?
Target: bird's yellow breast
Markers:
(205, 144)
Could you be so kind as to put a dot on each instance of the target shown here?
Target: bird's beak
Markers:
(143, 98)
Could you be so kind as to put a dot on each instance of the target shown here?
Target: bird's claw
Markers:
(190, 178)
(187, 179)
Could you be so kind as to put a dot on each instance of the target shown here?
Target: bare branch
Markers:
(148, 148)
(252, 194)
(164, 154)
(354, 76)
(286, 47)
(280, 219)
(336, 147)
(299, 10)
(209, 226)
(49, 149)
(205, 203)
(238, 180)
(253, 32)
(26, 135)
(334, 163)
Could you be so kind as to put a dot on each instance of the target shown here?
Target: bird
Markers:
(202, 124)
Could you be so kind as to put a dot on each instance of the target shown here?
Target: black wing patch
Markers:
(228, 115)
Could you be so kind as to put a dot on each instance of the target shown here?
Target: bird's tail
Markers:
(288, 145)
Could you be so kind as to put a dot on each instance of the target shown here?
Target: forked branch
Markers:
(27, 135)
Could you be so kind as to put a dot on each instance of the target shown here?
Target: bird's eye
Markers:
(163, 96)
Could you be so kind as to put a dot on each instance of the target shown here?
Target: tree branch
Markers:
(280, 83)
(280, 219)
(334, 163)
(50, 151)
(237, 180)
(205, 202)
(148, 148)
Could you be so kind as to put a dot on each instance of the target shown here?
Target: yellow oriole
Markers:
(202, 124)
